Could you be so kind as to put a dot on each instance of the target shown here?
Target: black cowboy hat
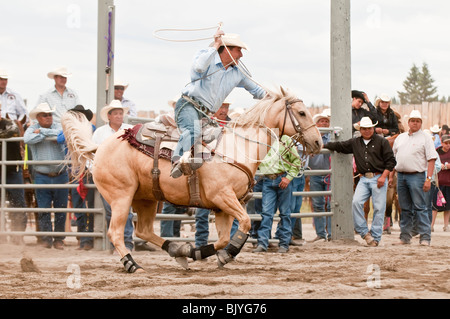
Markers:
(358, 94)
(80, 108)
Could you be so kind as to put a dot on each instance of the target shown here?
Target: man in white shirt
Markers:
(119, 89)
(11, 103)
(415, 155)
(60, 97)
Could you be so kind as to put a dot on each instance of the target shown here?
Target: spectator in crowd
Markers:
(374, 160)
(385, 116)
(43, 149)
(59, 97)
(171, 228)
(254, 206)
(12, 105)
(14, 175)
(435, 130)
(415, 154)
(358, 112)
(445, 130)
(119, 89)
(82, 197)
(321, 183)
(277, 192)
(113, 115)
(443, 183)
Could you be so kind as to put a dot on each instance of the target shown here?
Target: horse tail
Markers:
(80, 147)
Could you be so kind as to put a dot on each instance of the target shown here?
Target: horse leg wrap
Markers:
(236, 243)
(203, 252)
(130, 265)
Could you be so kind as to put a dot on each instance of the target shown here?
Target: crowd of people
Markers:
(388, 158)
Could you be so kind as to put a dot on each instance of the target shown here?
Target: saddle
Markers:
(163, 135)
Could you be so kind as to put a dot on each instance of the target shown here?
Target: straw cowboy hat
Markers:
(41, 108)
(120, 83)
(61, 71)
(80, 108)
(115, 104)
(382, 97)
(3, 74)
(415, 114)
(435, 128)
(232, 40)
(324, 115)
(365, 122)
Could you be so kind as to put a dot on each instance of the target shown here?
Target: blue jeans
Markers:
(85, 221)
(274, 197)
(16, 198)
(45, 198)
(202, 226)
(366, 188)
(171, 228)
(189, 124)
(321, 204)
(413, 201)
(298, 185)
(128, 232)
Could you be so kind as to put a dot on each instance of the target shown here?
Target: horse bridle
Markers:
(295, 121)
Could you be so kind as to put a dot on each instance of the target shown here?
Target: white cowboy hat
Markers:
(3, 74)
(115, 104)
(62, 71)
(365, 122)
(120, 83)
(383, 97)
(324, 115)
(41, 108)
(233, 40)
(415, 114)
(435, 128)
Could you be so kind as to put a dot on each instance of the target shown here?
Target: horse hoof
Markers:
(223, 258)
(183, 262)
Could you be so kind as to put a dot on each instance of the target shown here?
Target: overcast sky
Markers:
(289, 44)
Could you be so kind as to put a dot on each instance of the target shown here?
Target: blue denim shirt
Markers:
(211, 83)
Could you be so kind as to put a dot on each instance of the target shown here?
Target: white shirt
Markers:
(130, 105)
(105, 131)
(61, 104)
(13, 105)
(413, 151)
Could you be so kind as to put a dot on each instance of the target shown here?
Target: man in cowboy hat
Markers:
(416, 156)
(435, 130)
(119, 89)
(60, 97)
(387, 120)
(12, 105)
(374, 160)
(214, 74)
(43, 149)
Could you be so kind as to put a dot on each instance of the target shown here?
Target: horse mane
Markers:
(255, 116)
(80, 147)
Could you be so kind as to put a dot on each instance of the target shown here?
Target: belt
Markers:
(411, 173)
(274, 176)
(197, 104)
(50, 174)
(371, 175)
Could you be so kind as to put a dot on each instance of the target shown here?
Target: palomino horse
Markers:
(122, 174)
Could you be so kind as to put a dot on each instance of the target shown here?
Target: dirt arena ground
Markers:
(325, 270)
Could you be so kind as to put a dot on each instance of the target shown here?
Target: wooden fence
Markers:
(432, 113)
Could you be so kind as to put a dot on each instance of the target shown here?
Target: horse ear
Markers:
(283, 92)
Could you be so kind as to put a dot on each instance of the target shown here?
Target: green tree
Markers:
(411, 95)
(427, 89)
(418, 86)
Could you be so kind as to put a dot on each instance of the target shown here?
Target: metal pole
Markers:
(342, 177)
(105, 59)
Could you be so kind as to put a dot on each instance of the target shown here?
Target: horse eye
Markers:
(302, 113)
